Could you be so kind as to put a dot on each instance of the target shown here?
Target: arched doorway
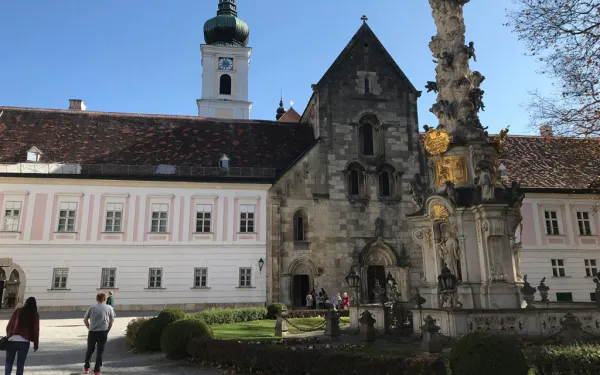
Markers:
(13, 288)
(377, 260)
(302, 272)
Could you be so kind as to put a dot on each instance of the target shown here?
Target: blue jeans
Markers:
(14, 347)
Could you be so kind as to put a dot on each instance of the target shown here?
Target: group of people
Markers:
(24, 328)
(322, 301)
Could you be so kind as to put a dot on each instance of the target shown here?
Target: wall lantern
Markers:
(353, 280)
(447, 281)
(261, 264)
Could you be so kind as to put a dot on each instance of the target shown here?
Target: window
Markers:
(155, 278)
(385, 186)
(354, 182)
(108, 278)
(245, 277)
(224, 162)
(583, 221)
(12, 213)
(59, 278)
(590, 267)
(367, 86)
(203, 215)
(593, 297)
(367, 139)
(114, 218)
(34, 154)
(200, 277)
(66, 217)
(564, 297)
(299, 226)
(225, 84)
(159, 217)
(551, 223)
(246, 218)
(558, 268)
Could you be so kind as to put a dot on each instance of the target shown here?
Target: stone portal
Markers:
(377, 260)
(14, 287)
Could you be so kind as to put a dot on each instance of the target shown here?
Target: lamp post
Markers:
(353, 281)
(448, 285)
(261, 264)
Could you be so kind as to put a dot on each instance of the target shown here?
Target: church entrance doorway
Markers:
(300, 289)
(375, 273)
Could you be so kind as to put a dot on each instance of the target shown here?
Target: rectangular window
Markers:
(114, 218)
(109, 278)
(551, 222)
(590, 267)
(59, 278)
(155, 278)
(203, 218)
(584, 223)
(245, 277)
(12, 213)
(593, 297)
(564, 297)
(558, 268)
(160, 214)
(66, 217)
(200, 277)
(247, 218)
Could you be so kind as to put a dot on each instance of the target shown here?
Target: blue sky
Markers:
(143, 56)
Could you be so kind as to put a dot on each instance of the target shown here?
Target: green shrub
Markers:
(165, 318)
(143, 337)
(275, 308)
(228, 316)
(132, 329)
(177, 335)
(573, 360)
(292, 314)
(481, 353)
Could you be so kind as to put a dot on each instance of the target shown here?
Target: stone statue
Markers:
(516, 247)
(516, 196)
(447, 59)
(528, 292)
(485, 178)
(432, 86)
(476, 97)
(379, 292)
(379, 224)
(543, 289)
(477, 79)
(450, 192)
(501, 141)
(417, 191)
(449, 250)
(393, 295)
(471, 51)
(443, 108)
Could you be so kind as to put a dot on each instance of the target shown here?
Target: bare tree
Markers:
(565, 36)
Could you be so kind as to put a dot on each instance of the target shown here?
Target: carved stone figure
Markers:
(379, 224)
(449, 250)
(446, 60)
(501, 141)
(477, 79)
(379, 292)
(485, 178)
(516, 248)
(432, 86)
(476, 97)
(516, 197)
(543, 289)
(418, 191)
(443, 108)
(471, 51)
(528, 292)
(450, 192)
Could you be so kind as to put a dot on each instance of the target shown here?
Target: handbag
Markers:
(3, 343)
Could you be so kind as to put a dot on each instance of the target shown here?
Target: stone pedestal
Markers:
(281, 326)
(431, 342)
(379, 313)
(366, 323)
(332, 327)
(571, 329)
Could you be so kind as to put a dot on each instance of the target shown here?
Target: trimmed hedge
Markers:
(573, 360)
(275, 308)
(314, 313)
(143, 338)
(177, 335)
(482, 353)
(228, 316)
(132, 330)
(163, 319)
(276, 360)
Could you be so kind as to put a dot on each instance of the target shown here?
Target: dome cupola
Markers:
(226, 29)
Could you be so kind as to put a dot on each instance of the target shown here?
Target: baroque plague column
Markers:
(466, 218)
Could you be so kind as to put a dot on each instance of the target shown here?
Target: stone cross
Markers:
(364, 18)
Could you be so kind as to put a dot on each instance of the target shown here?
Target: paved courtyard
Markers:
(62, 348)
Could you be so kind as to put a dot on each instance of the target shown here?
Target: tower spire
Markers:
(227, 8)
(281, 110)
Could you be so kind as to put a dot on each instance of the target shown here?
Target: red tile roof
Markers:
(290, 116)
(86, 137)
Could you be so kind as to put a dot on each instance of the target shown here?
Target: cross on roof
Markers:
(364, 18)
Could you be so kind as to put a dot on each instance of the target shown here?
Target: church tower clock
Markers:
(225, 65)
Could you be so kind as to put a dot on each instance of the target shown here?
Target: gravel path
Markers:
(62, 349)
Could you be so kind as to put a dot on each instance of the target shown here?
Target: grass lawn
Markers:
(264, 329)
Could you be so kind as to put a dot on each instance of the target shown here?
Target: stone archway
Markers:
(377, 260)
(14, 287)
(301, 280)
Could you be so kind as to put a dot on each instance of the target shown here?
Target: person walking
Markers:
(102, 317)
(111, 300)
(23, 328)
(309, 301)
(346, 301)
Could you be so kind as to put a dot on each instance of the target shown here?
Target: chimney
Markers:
(546, 131)
(76, 105)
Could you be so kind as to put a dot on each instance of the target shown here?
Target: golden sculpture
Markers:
(496, 166)
(439, 212)
(451, 168)
(437, 142)
(501, 140)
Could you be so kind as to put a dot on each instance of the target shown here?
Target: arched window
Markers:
(14, 276)
(367, 139)
(225, 84)
(300, 226)
(2, 274)
(385, 184)
(367, 86)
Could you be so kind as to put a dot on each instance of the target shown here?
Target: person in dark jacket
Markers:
(23, 328)
(110, 300)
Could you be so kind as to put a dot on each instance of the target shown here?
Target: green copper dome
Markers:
(226, 29)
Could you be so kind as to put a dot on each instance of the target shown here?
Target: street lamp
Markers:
(353, 281)
(448, 286)
(261, 264)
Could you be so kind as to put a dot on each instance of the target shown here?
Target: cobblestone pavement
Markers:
(62, 348)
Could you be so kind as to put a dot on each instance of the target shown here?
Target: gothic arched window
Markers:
(385, 186)
(14, 276)
(367, 139)
(300, 226)
(367, 86)
(225, 84)
(356, 180)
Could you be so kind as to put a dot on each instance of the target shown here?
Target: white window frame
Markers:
(591, 267)
(203, 215)
(558, 265)
(200, 277)
(581, 221)
(111, 211)
(67, 220)
(106, 275)
(156, 215)
(60, 278)
(247, 219)
(155, 278)
(551, 220)
(245, 277)
(10, 220)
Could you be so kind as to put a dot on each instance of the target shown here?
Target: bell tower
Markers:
(225, 65)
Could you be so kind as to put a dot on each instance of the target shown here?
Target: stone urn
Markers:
(543, 289)
(528, 293)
